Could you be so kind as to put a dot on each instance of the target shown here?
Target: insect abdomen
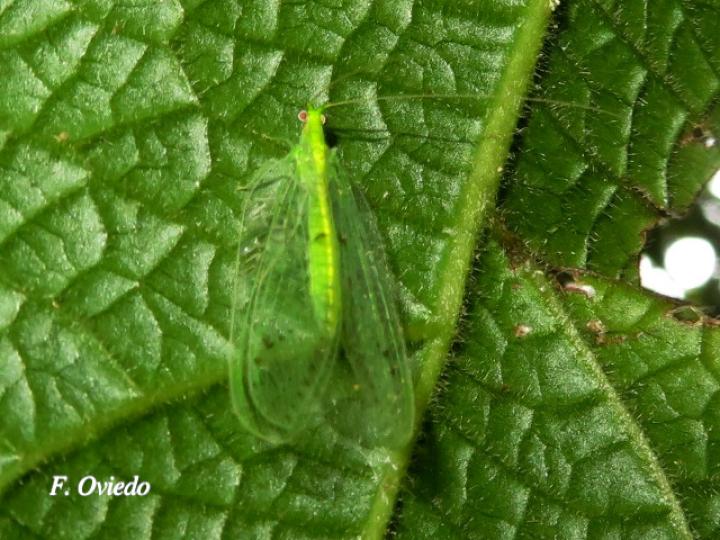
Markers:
(323, 255)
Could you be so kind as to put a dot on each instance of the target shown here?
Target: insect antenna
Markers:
(332, 83)
(477, 97)
(368, 134)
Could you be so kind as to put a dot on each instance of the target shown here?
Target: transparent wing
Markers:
(281, 357)
(372, 393)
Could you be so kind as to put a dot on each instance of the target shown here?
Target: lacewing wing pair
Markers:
(320, 336)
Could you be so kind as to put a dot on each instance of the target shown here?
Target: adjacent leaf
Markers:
(568, 413)
(602, 177)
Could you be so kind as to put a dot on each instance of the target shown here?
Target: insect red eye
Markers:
(302, 116)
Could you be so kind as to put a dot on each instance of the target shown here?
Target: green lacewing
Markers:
(320, 336)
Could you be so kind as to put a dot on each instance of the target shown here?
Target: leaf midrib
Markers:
(477, 198)
(614, 400)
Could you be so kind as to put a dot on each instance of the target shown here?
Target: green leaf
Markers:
(582, 407)
(566, 413)
(603, 178)
(127, 131)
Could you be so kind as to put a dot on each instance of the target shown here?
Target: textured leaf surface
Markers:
(556, 415)
(126, 131)
(587, 412)
(603, 178)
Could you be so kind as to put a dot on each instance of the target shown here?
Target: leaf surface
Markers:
(128, 131)
(126, 134)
